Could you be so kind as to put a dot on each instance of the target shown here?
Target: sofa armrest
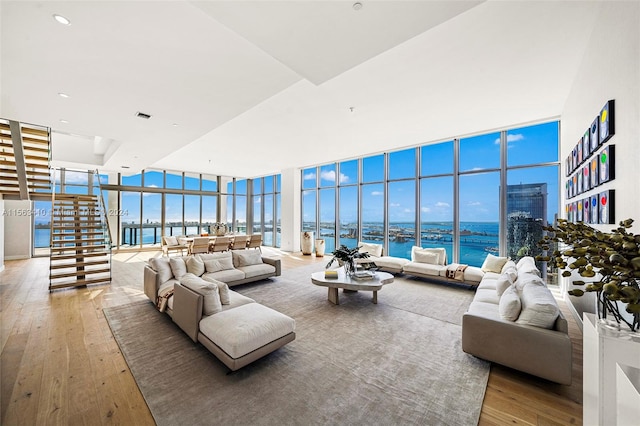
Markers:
(187, 310)
(273, 262)
(538, 351)
(151, 283)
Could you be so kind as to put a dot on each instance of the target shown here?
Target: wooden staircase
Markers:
(80, 246)
(24, 160)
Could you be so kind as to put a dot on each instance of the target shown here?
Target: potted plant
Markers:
(346, 257)
(611, 258)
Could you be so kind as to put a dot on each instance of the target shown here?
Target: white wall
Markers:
(290, 207)
(1, 234)
(17, 229)
(610, 70)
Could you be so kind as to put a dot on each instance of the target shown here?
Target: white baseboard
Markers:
(1, 268)
(18, 257)
(574, 312)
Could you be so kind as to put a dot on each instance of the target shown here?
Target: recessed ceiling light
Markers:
(64, 121)
(357, 6)
(61, 19)
(63, 95)
(175, 124)
(125, 167)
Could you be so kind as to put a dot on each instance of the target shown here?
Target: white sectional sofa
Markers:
(514, 320)
(194, 292)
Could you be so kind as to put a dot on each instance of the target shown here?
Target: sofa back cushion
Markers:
(178, 267)
(503, 282)
(246, 257)
(225, 261)
(223, 289)
(195, 266)
(162, 267)
(441, 254)
(510, 305)
(527, 265)
(372, 249)
(212, 304)
(494, 263)
(539, 307)
(426, 257)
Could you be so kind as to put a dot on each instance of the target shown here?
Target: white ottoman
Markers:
(243, 334)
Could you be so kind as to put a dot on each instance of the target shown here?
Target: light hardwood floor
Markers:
(60, 364)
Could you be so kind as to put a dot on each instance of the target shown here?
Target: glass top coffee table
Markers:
(351, 284)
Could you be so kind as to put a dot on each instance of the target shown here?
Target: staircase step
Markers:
(84, 272)
(77, 241)
(57, 257)
(77, 264)
(80, 283)
(79, 248)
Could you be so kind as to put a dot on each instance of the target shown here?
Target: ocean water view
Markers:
(477, 239)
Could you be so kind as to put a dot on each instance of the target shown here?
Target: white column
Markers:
(290, 207)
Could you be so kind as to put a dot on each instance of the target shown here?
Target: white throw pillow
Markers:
(162, 267)
(440, 252)
(171, 241)
(539, 308)
(178, 267)
(493, 263)
(246, 257)
(223, 289)
(511, 272)
(195, 266)
(503, 282)
(510, 264)
(510, 304)
(212, 265)
(212, 304)
(426, 257)
(372, 249)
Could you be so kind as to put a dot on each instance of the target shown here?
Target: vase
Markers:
(613, 315)
(319, 247)
(219, 229)
(306, 242)
(349, 268)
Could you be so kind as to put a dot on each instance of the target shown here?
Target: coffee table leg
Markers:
(333, 296)
(375, 297)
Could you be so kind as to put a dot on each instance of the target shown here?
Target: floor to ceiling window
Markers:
(452, 200)
(266, 209)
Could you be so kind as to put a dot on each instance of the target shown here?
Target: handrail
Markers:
(103, 214)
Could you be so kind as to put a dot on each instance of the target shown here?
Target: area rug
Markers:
(397, 362)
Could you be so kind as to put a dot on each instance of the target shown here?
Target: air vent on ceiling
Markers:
(143, 115)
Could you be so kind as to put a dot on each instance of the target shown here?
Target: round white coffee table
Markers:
(351, 284)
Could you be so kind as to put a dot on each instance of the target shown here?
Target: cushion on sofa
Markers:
(223, 289)
(426, 257)
(195, 266)
(162, 267)
(510, 304)
(486, 295)
(494, 263)
(225, 260)
(539, 308)
(509, 264)
(425, 269)
(251, 271)
(178, 267)
(212, 304)
(212, 265)
(441, 252)
(226, 275)
(372, 249)
(503, 282)
(236, 299)
(246, 328)
(389, 262)
(246, 257)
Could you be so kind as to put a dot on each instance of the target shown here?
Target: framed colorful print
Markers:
(607, 164)
(586, 145)
(574, 185)
(593, 209)
(579, 182)
(595, 171)
(607, 199)
(579, 211)
(594, 134)
(586, 179)
(585, 209)
(574, 158)
(607, 128)
(567, 189)
(579, 153)
(567, 166)
(566, 212)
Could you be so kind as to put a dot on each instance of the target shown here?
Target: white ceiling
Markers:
(259, 87)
